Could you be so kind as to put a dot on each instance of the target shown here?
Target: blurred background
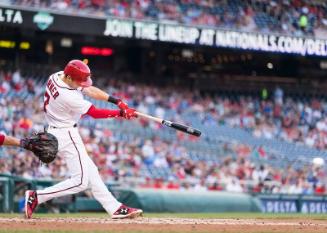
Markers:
(251, 75)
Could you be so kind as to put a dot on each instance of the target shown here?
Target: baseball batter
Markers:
(63, 106)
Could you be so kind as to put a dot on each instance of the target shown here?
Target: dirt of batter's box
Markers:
(163, 225)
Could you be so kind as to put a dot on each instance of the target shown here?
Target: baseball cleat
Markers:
(30, 203)
(127, 212)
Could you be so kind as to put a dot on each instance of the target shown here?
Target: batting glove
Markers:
(122, 105)
(128, 113)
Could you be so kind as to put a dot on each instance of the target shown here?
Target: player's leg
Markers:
(72, 150)
(100, 190)
(75, 156)
(77, 182)
(107, 200)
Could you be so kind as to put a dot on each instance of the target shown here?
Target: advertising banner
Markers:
(305, 204)
(163, 32)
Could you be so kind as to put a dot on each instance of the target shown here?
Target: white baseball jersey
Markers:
(63, 106)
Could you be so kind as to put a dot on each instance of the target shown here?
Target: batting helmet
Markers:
(79, 72)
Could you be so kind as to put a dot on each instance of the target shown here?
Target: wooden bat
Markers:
(180, 127)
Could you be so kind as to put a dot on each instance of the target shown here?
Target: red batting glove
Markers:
(122, 105)
(128, 113)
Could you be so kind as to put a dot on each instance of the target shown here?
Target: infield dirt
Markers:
(146, 225)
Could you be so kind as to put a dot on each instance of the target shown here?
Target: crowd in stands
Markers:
(233, 169)
(291, 17)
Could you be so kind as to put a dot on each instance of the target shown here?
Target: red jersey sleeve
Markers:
(98, 113)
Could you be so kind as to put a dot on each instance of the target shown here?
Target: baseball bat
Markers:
(180, 127)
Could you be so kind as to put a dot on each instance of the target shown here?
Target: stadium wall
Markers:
(156, 200)
(151, 200)
(159, 201)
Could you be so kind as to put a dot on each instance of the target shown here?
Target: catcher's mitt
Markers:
(44, 145)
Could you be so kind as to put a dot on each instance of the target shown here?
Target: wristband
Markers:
(113, 100)
(2, 139)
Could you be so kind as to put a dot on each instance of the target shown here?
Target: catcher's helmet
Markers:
(79, 72)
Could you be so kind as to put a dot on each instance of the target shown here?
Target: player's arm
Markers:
(85, 107)
(100, 113)
(9, 141)
(98, 94)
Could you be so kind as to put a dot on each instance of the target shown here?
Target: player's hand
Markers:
(122, 105)
(128, 113)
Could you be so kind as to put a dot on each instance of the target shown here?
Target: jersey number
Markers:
(46, 101)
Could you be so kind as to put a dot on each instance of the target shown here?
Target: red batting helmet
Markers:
(79, 72)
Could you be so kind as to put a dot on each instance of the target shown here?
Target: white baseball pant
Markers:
(83, 172)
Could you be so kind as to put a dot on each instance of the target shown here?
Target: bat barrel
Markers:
(186, 129)
(180, 127)
(183, 128)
